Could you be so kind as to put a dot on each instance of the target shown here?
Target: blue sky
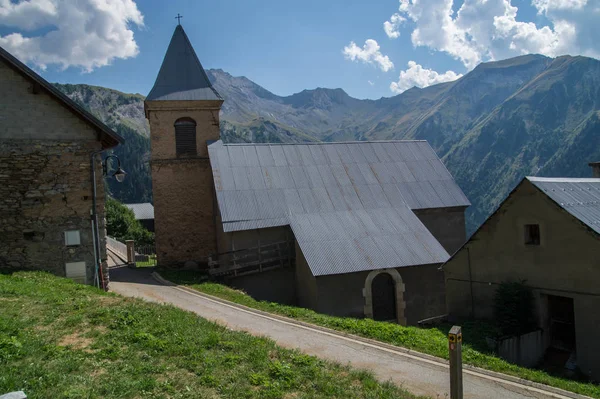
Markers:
(290, 46)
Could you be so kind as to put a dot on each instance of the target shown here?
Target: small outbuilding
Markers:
(143, 212)
(546, 234)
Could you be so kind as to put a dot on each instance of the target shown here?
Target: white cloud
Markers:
(370, 54)
(418, 76)
(483, 30)
(545, 5)
(85, 33)
(392, 27)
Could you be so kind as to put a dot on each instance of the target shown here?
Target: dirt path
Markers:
(419, 375)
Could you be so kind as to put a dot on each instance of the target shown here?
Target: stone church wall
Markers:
(424, 295)
(184, 205)
(447, 226)
(276, 285)
(183, 211)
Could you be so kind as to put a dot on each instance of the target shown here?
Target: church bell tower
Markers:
(183, 111)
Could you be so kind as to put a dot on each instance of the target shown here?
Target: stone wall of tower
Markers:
(183, 189)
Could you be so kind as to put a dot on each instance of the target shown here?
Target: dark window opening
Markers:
(30, 235)
(185, 136)
(532, 234)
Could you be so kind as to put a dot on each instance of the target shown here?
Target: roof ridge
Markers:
(564, 179)
(328, 142)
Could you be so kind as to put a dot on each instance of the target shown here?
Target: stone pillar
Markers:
(130, 253)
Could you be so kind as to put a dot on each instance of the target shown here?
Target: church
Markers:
(355, 229)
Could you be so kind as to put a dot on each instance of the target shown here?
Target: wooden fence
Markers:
(145, 255)
(253, 260)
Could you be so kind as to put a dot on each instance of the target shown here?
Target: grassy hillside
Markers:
(432, 341)
(74, 341)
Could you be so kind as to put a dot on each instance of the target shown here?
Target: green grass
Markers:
(59, 339)
(432, 341)
(151, 262)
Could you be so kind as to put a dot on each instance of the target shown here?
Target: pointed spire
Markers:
(181, 76)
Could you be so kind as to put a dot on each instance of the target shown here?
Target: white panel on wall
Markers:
(72, 238)
(76, 271)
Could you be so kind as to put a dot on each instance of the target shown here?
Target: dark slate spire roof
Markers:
(181, 76)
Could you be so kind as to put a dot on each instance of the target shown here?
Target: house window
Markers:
(185, 136)
(532, 234)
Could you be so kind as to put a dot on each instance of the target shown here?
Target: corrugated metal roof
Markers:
(142, 211)
(580, 197)
(181, 75)
(355, 196)
(348, 241)
(348, 180)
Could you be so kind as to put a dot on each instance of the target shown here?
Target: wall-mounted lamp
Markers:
(119, 174)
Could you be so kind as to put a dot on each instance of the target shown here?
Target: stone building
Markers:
(547, 234)
(351, 229)
(47, 147)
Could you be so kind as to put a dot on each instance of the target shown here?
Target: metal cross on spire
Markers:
(178, 18)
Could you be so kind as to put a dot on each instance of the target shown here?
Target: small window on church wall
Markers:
(532, 234)
(185, 136)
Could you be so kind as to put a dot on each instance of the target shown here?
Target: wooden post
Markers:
(455, 348)
(259, 257)
(130, 253)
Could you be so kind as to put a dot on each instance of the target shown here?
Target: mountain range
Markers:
(529, 115)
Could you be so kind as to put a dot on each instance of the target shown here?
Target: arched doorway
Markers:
(384, 297)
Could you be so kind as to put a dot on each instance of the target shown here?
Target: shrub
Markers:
(122, 224)
(513, 308)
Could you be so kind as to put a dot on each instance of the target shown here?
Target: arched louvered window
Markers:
(185, 136)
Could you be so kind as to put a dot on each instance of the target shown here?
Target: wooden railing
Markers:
(253, 260)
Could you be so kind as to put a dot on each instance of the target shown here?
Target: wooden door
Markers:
(384, 297)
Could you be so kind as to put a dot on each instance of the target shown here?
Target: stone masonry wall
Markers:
(45, 189)
(183, 188)
(183, 211)
(45, 179)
